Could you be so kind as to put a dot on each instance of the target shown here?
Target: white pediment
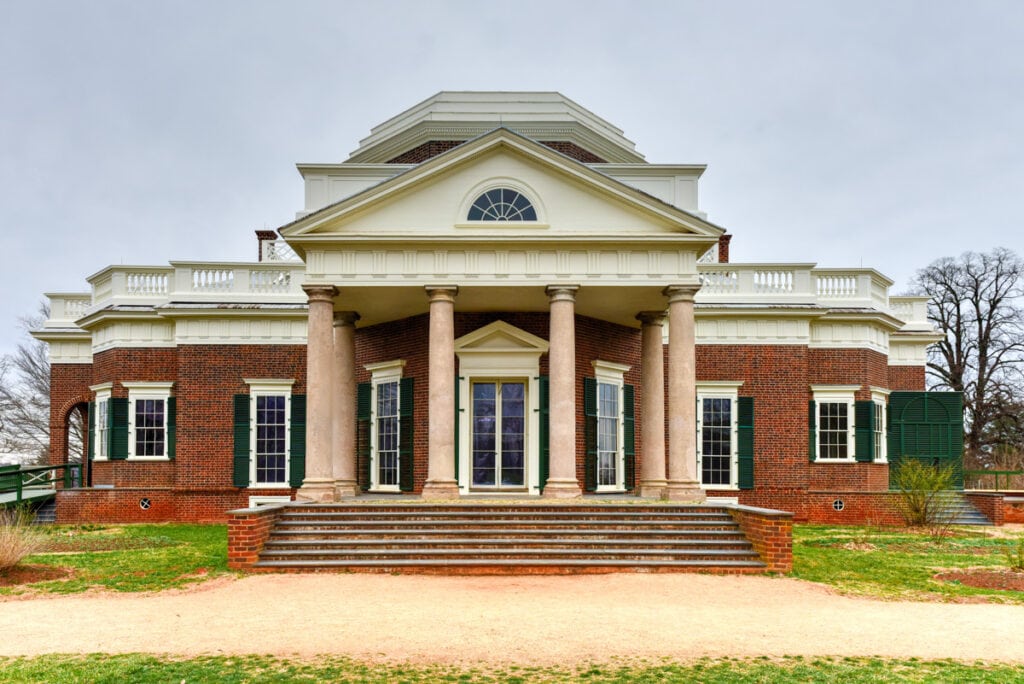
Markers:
(500, 337)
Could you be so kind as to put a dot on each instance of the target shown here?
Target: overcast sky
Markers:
(883, 134)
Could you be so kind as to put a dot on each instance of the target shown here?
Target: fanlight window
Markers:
(502, 204)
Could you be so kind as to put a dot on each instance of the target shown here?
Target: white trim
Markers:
(495, 183)
(609, 373)
(880, 397)
(140, 391)
(103, 392)
(270, 387)
(261, 500)
(836, 394)
(382, 373)
(720, 389)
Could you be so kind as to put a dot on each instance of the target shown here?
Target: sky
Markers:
(874, 133)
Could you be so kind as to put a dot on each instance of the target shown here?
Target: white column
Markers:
(344, 404)
(441, 483)
(682, 397)
(652, 385)
(318, 485)
(562, 482)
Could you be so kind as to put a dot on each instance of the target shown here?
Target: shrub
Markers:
(18, 537)
(922, 500)
(1015, 556)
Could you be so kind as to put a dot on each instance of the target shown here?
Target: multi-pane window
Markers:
(102, 430)
(716, 440)
(150, 427)
(387, 433)
(271, 444)
(879, 432)
(608, 412)
(833, 430)
(502, 204)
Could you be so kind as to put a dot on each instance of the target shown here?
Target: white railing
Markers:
(213, 279)
(66, 308)
(911, 310)
(277, 250)
(145, 283)
(792, 283)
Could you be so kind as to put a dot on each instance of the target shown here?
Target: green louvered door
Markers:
(927, 426)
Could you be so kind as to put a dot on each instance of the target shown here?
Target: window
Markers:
(101, 422)
(148, 419)
(717, 448)
(834, 422)
(502, 204)
(879, 400)
(608, 407)
(386, 424)
(270, 437)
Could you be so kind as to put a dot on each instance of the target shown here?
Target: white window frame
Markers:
(609, 373)
(101, 449)
(270, 388)
(724, 389)
(880, 397)
(836, 394)
(140, 391)
(380, 374)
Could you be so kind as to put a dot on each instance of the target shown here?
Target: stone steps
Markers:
(507, 538)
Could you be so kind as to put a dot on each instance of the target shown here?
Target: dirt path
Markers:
(495, 620)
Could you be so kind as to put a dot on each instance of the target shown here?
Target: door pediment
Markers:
(500, 337)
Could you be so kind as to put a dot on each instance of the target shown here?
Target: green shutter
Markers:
(458, 410)
(590, 433)
(172, 426)
(297, 442)
(92, 430)
(927, 426)
(240, 462)
(544, 429)
(629, 435)
(745, 442)
(812, 435)
(118, 412)
(363, 405)
(406, 434)
(864, 431)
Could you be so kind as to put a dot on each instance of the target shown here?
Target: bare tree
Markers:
(976, 303)
(25, 395)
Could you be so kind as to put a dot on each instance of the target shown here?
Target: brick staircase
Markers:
(499, 538)
(960, 510)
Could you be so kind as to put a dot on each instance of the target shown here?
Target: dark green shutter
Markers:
(297, 442)
(457, 418)
(406, 434)
(240, 461)
(812, 420)
(927, 426)
(629, 435)
(92, 430)
(590, 433)
(172, 426)
(363, 406)
(745, 442)
(118, 412)
(544, 429)
(864, 431)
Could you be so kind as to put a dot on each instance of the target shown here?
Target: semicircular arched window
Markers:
(502, 204)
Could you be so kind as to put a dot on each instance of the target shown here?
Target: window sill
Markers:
(835, 460)
(269, 485)
(150, 459)
(720, 488)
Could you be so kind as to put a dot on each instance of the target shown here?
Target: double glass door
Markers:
(499, 434)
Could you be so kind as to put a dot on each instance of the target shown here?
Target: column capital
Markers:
(442, 293)
(561, 293)
(651, 317)
(320, 293)
(343, 318)
(680, 293)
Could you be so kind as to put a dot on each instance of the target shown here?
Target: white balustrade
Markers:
(276, 281)
(838, 286)
(277, 250)
(213, 279)
(773, 282)
(145, 283)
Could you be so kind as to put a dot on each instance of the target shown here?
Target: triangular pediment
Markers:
(432, 200)
(500, 336)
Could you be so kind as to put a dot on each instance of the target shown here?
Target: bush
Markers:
(18, 536)
(922, 498)
(1015, 556)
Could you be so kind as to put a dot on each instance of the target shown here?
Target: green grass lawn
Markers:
(143, 668)
(130, 557)
(898, 563)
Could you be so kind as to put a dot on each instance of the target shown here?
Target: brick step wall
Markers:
(506, 539)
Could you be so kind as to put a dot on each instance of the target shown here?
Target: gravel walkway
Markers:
(497, 620)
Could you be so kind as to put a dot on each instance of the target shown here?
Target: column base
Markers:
(652, 489)
(685, 492)
(316, 491)
(346, 489)
(562, 489)
(440, 489)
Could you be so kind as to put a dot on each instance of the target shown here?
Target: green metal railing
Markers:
(38, 478)
(979, 476)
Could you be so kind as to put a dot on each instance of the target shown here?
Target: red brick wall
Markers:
(167, 504)
(69, 387)
(862, 367)
(723, 248)
(432, 148)
(770, 533)
(907, 378)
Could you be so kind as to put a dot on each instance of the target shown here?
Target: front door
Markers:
(498, 435)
